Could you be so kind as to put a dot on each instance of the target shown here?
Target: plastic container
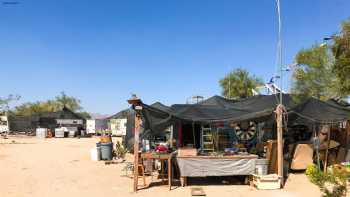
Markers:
(261, 166)
(95, 154)
(105, 139)
(106, 151)
(71, 133)
(82, 133)
(59, 133)
(41, 133)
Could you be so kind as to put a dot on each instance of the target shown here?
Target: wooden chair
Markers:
(130, 167)
(141, 168)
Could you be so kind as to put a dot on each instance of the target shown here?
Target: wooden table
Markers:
(162, 157)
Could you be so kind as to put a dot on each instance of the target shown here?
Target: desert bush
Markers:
(332, 183)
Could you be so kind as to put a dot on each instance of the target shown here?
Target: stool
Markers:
(140, 166)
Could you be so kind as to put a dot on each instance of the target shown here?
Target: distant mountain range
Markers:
(99, 116)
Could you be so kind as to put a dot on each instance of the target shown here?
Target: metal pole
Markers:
(279, 46)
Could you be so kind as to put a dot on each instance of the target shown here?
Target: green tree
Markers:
(341, 51)
(52, 105)
(29, 108)
(239, 84)
(314, 76)
(84, 114)
(68, 101)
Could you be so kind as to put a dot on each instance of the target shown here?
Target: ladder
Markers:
(207, 144)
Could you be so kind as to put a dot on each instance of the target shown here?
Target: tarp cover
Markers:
(313, 110)
(157, 116)
(198, 167)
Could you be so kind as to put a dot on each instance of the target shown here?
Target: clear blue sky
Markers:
(162, 50)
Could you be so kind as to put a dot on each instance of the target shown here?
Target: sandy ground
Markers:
(62, 168)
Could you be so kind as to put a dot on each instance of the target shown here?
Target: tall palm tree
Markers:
(239, 84)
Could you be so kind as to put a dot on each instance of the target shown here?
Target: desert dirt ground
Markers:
(62, 168)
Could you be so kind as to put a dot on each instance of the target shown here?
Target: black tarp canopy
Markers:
(316, 111)
(157, 116)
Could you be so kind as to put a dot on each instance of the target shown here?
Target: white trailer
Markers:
(117, 126)
(4, 124)
(94, 126)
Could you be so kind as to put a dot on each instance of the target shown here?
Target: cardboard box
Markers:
(187, 152)
(271, 181)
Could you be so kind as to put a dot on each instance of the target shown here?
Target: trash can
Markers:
(106, 151)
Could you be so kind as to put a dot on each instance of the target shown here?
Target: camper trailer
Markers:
(4, 124)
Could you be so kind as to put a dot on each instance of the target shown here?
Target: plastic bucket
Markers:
(106, 151)
(106, 139)
(95, 154)
(261, 166)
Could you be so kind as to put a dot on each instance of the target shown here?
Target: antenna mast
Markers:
(279, 48)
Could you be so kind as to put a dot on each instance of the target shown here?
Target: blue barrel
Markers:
(106, 151)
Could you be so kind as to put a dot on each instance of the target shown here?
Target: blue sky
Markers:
(162, 50)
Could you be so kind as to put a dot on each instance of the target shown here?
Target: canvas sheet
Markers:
(198, 167)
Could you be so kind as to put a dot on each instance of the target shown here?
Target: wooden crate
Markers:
(271, 181)
(187, 152)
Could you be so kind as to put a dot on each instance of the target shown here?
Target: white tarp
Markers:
(199, 167)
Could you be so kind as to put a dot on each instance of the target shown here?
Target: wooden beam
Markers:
(136, 149)
(279, 118)
(327, 150)
(169, 171)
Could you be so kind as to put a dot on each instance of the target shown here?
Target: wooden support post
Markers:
(137, 106)
(347, 131)
(327, 150)
(279, 115)
(169, 172)
(136, 151)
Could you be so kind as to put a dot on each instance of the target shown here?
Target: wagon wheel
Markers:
(246, 134)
